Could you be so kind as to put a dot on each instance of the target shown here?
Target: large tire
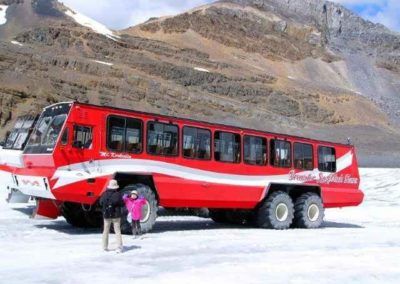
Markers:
(74, 214)
(308, 211)
(93, 217)
(149, 217)
(276, 212)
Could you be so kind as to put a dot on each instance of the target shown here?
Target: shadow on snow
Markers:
(175, 226)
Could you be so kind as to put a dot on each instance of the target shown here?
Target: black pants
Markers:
(136, 229)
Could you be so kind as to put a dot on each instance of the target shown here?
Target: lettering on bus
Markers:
(113, 155)
(321, 178)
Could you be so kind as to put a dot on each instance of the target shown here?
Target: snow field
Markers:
(92, 24)
(355, 245)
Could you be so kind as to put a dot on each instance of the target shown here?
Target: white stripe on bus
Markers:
(81, 171)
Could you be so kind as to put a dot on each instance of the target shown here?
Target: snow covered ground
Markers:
(360, 245)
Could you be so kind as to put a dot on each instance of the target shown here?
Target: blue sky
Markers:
(118, 14)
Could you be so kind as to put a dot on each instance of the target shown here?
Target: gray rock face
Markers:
(370, 50)
(341, 28)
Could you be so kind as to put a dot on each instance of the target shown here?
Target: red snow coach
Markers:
(241, 175)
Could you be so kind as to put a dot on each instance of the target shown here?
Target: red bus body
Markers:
(73, 174)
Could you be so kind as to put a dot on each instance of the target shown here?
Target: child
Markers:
(134, 204)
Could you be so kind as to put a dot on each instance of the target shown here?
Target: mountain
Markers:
(304, 67)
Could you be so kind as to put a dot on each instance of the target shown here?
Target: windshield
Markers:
(18, 136)
(47, 130)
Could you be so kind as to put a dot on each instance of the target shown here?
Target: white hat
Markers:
(113, 184)
(134, 192)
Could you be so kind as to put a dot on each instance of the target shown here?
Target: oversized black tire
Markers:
(74, 214)
(78, 216)
(149, 211)
(308, 211)
(276, 212)
(93, 217)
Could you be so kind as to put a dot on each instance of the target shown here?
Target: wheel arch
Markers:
(294, 190)
(125, 179)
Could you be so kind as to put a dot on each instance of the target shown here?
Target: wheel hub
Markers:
(145, 212)
(281, 212)
(313, 212)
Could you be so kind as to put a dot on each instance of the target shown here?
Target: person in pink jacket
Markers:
(134, 203)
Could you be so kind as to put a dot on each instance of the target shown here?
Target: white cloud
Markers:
(386, 12)
(390, 16)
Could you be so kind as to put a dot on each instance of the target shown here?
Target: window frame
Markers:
(312, 155)
(290, 152)
(141, 135)
(66, 132)
(164, 123)
(91, 133)
(240, 147)
(125, 130)
(266, 150)
(211, 143)
(334, 152)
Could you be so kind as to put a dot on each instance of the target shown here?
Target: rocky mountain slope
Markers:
(306, 67)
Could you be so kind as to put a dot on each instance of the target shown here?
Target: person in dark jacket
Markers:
(111, 203)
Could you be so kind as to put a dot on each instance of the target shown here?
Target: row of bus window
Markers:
(125, 135)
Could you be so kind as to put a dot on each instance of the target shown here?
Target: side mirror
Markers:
(77, 144)
(2, 143)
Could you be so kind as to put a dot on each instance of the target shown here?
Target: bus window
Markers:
(196, 143)
(51, 135)
(162, 139)
(280, 154)
(124, 134)
(227, 147)
(116, 133)
(326, 159)
(303, 156)
(11, 139)
(255, 150)
(82, 137)
(133, 140)
(21, 140)
(47, 129)
(65, 136)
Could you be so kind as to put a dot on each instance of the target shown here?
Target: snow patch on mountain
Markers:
(3, 11)
(201, 69)
(104, 63)
(16, 43)
(92, 24)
